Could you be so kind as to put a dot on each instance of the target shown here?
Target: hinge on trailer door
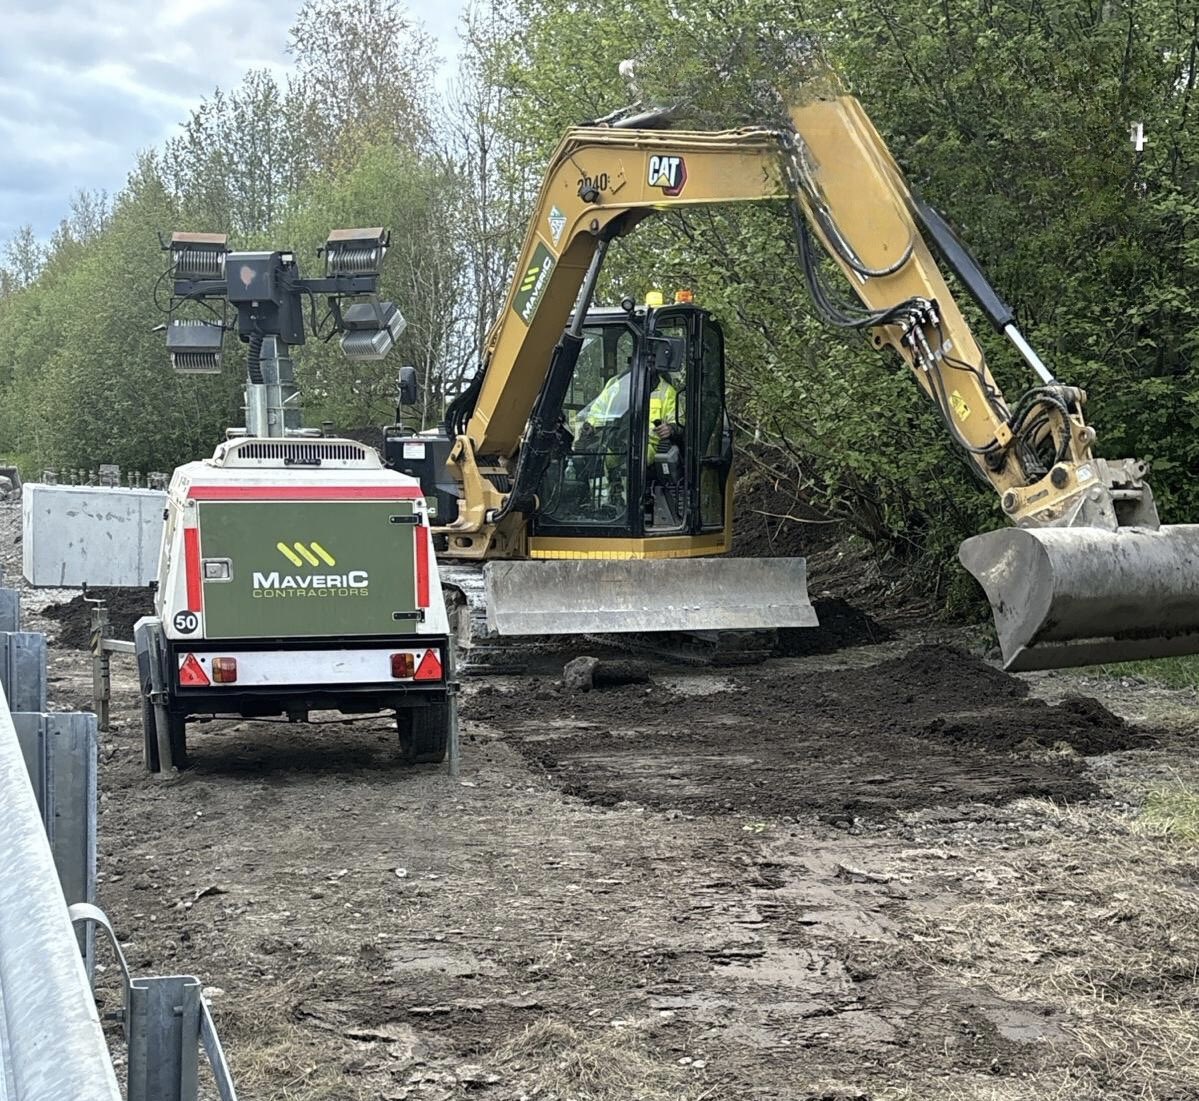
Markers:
(418, 615)
(414, 519)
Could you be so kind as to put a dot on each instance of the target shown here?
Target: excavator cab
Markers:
(637, 497)
(647, 445)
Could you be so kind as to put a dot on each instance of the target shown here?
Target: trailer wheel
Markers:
(178, 735)
(424, 733)
(176, 732)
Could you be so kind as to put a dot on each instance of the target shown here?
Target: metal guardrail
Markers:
(52, 1046)
(166, 1018)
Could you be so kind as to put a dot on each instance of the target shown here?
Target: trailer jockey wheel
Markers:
(424, 732)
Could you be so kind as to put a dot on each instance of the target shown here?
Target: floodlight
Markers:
(355, 251)
(195, 346)
(371, 330)
(199, 255)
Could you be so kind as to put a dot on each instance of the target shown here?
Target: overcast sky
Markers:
(85, 84)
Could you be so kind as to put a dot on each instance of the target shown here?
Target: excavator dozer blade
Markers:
(1084, 596)
(602, 596)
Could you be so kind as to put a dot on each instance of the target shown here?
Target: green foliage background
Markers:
(1010, 116)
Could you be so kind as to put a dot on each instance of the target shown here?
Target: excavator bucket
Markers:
(603, 596)
(1084, 596)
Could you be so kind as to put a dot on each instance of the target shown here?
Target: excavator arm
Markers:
(1077, 518)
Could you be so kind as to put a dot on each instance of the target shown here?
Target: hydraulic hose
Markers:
(254, 359)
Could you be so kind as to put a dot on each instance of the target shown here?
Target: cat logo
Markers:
(668, 173)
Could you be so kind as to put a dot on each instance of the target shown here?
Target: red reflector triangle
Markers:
(191, 673)
(429, 668)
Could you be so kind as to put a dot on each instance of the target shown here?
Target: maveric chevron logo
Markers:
(314, 554)
(533, 283)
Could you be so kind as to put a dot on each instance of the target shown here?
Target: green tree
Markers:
(344, 141)
(416, 196)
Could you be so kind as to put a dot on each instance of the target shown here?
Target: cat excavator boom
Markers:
(578, 536)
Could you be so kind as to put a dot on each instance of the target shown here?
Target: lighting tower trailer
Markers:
(296, 572)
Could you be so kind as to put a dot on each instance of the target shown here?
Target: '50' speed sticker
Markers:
(186, 623)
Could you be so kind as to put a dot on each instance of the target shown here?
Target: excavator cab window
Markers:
(714, 433)
(667, 366)
(650, 451)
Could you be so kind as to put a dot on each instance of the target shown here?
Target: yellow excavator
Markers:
(583, 480)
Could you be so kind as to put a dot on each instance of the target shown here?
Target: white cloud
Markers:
(86, 84)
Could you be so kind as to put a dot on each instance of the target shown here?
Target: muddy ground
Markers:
(887, 872)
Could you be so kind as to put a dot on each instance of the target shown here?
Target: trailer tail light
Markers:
(224, 670)
(429, 667)
(402, 666)
(191, 673)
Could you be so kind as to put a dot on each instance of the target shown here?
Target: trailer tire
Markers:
(178, 735)
(424, 733)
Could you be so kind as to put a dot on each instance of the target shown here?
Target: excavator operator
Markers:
(609, 415)
(613, 400)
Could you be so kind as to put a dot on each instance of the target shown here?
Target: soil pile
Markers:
(125, 608)
(772, 520)
(841, 625)
(933, 727)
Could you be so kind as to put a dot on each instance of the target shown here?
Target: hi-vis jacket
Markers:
(612, 404)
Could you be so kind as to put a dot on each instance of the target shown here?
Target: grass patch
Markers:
(1098, 925)
(1173, 812)
(1172, 672)
(610, 1064)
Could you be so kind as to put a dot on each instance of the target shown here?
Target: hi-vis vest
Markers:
(663, 406)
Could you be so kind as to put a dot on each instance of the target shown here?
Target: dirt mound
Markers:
(772, 520)
(932, 678)
(933, 727)
(125, 608)
(841, 625)
(1082, 724)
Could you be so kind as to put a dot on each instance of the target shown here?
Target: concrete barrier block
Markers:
(94, 535)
